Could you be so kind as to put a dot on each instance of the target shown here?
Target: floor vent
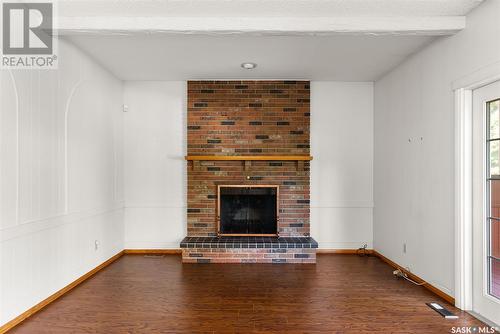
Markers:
(441, 310)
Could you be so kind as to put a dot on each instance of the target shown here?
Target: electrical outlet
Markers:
(96, 245)
(404, 248)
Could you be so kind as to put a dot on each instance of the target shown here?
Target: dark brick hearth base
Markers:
(249, 250)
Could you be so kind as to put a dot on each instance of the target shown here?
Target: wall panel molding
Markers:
(55, 221)
(344, 205)
(66, 114)
(61, 136)
(16, 98)
(141, 205)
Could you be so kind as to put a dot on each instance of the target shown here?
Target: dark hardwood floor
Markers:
(340, 294)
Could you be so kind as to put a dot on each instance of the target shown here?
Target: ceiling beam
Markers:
(430, 26)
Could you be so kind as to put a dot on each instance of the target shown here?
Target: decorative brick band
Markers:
(249, 255)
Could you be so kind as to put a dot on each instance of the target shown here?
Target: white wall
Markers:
(342, 169)
(414, 177)
(60, 177)
(155, 169)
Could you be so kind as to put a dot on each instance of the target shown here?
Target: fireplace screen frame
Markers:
(248, 186)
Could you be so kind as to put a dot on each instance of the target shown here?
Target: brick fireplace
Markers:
(248, 135)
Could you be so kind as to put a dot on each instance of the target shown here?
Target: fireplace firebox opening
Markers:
(247, 210)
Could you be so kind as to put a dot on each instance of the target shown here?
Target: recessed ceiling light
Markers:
(249, 66)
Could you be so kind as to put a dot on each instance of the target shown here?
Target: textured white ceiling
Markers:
(182, 57)
(431, 17)
(265, 8)
(348, 40)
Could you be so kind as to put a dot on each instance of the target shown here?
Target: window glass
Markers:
(494, 158)
(495, 277)
(493, 227)
(494, 119)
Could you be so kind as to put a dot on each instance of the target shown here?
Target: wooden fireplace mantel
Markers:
(248, 158)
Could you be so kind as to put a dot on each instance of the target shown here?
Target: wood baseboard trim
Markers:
(38, 307)
(151, 251)
(417, 279)
(341, 251)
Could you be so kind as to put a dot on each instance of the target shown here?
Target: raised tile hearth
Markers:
(248, 242)
(249, 250)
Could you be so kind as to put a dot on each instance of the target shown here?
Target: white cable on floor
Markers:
(409, 279)
(404, 275)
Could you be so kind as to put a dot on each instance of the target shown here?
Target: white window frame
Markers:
(463, 88)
